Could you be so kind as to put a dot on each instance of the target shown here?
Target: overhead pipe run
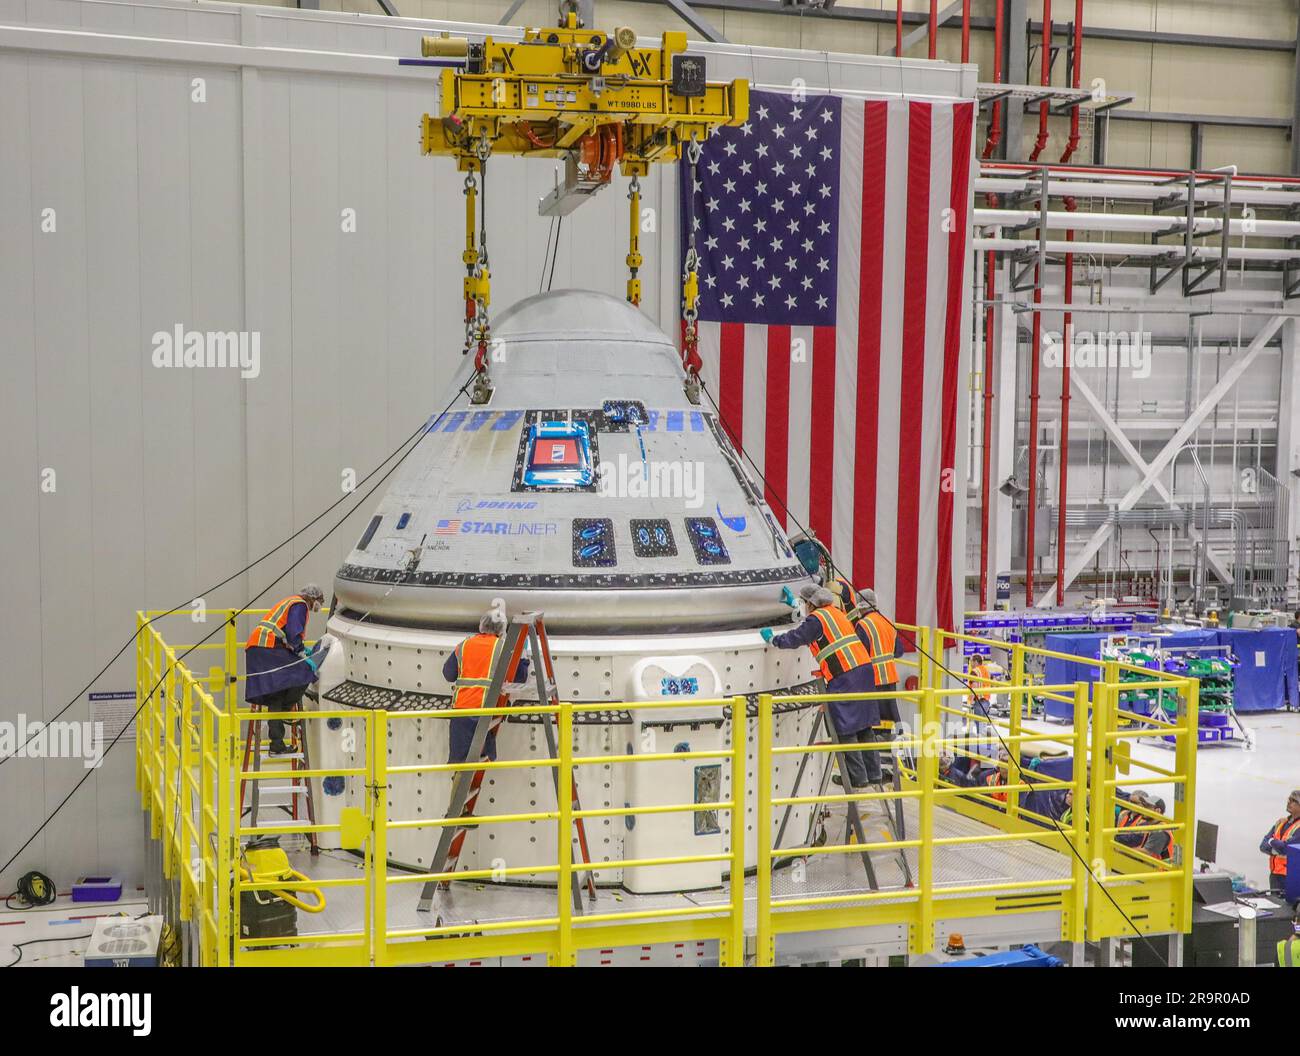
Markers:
(1136, 249)
(1145, 223)
(1244, 192)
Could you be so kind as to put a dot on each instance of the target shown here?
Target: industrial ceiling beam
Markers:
(510, 13)
(1160, 463)
(1150, 36)
(1095, 32)
(1116, 434)
(696, 21)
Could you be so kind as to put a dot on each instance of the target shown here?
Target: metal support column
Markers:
(1295, 114)
(1017, 67)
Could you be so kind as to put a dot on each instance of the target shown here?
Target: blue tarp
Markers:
(1265, 679)
(1266, 676)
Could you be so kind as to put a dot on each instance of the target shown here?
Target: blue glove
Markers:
(787, 596)
(767, 633)
(310, 663)
(1278, 845)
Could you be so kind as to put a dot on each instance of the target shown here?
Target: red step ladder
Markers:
(298, 757)
(526, 628)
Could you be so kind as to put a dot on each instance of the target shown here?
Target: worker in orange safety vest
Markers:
(469, 668)
(1275, 842)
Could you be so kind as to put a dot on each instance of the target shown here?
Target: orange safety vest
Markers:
(1127, 819)
(838, 649)
(269, 633)
(881, 636)
(476, 657)
(1284, 830)
(997, 778)
(978, 673)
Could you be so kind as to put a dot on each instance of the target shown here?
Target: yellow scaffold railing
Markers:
(190, 773)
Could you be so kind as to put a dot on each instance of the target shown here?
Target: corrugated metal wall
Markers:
(166, 164)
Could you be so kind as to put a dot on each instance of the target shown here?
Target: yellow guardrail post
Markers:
(1185, 798)
(207, 832)
(169, 725)
(927, 767)
(229, 693)
(226, 907)
(766, 946)
(185, 806)
(139, 697)
(1016, 693)
(1114, 693)
(1078, 819)
(376, 855)
(564, 794)
(733, 955)
(1098, 807)
(1016, 709)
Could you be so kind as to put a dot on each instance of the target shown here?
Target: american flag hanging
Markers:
(833, 236)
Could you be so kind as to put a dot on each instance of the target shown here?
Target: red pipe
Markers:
(934, 29)
(1062, 486)
(995, 117)
(965, 31)
(1076, 60)
(1046, 80)
(898, 26)
(986, 472)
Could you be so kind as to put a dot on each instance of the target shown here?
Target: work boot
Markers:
(279, 748)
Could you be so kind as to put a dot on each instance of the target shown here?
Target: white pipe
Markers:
(1067, 221)
(1134, 249)
(1136, 192)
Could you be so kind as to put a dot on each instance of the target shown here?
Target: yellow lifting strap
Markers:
(634, 259)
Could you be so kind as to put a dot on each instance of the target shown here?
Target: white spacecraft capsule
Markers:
(588, 488)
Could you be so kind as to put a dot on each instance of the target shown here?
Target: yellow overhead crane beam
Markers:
(540, 96)
(595, 99)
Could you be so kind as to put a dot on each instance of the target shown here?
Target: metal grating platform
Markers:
(474, 904)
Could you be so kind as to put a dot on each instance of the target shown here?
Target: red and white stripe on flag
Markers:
(856, 427)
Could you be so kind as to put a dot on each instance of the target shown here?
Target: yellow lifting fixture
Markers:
(595, 100)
